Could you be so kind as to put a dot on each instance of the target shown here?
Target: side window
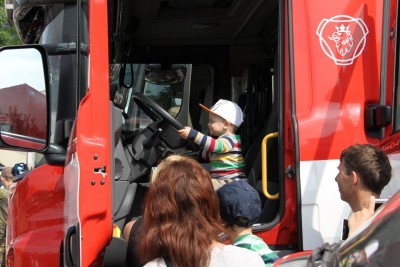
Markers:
(201, 91)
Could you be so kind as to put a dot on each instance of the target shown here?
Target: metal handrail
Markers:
(264, 166)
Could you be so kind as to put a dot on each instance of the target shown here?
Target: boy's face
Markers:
(216, 125)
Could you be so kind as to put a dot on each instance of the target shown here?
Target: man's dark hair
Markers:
(370, 163)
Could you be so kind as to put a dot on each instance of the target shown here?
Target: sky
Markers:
(18, 66)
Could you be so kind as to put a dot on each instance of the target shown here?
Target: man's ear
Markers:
(356, 178)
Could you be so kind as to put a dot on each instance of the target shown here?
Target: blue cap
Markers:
(239, 199)
(19, 168)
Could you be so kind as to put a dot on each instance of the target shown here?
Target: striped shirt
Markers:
(224, 154)
(258, 245)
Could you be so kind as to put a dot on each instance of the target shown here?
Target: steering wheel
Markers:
(154, 111)
(147, 147)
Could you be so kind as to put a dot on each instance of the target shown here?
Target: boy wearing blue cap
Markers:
(240, 207)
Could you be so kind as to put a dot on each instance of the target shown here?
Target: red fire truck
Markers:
(121, 76)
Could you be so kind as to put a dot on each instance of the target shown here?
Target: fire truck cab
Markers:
(121, 77)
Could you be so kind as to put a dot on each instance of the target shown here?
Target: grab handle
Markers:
(264, 160)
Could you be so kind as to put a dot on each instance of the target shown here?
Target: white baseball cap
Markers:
(228, 110)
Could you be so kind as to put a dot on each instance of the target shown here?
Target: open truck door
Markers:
(79, 189)
(88, 173)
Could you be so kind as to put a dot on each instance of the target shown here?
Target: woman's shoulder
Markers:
(228, 255)
(159, 262)
(224, 256)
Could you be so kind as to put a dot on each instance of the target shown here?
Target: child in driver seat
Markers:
(224, 151)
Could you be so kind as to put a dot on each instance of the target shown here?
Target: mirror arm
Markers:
(64, 49)
(122, 74)
(55, 155)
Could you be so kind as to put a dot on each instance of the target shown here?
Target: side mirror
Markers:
(24, 100)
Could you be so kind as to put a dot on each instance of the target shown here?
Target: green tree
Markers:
(8, 34)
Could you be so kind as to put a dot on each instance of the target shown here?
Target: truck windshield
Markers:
(167, 95)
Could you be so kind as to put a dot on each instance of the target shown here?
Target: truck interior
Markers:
(170, 56)
(212, 50)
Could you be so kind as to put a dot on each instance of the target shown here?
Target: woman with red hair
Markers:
(181, 222)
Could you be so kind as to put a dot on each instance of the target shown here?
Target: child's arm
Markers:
(184, 133)
(209, 144)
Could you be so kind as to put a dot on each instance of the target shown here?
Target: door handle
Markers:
(68, 253)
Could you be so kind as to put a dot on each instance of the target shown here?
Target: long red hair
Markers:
(181, 216)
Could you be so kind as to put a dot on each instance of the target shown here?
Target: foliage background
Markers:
(8, 35)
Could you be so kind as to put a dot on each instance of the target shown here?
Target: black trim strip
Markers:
(295, 126)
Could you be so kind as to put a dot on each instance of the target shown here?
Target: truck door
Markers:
(336, 58)
(88, 169)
